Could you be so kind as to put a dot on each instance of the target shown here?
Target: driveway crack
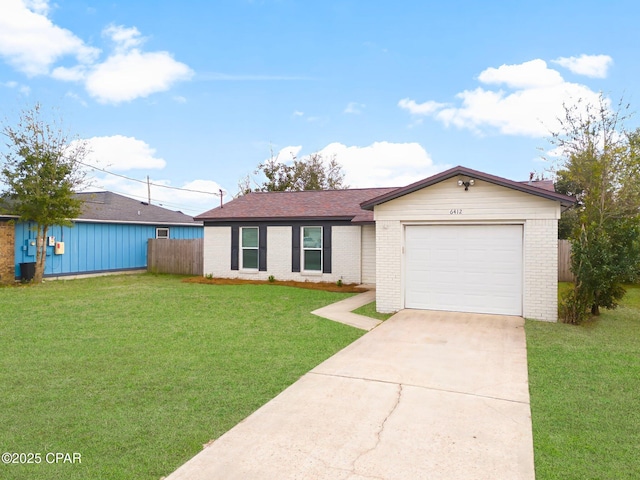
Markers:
(380, 431)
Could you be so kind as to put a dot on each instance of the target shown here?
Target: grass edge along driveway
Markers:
(584, 383)
(137, 372)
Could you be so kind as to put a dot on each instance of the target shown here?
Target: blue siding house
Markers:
(110, 235)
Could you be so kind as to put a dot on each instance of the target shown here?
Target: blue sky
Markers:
(196, 94)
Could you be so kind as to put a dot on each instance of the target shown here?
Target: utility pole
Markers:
(148, 191)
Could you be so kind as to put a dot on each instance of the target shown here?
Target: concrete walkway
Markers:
(342, 311)
(425, 395)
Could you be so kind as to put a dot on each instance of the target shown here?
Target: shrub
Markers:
(271, 279)
(574, 307)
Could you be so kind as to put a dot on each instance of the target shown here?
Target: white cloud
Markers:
(23, 89)
(354, 108)
(70, 74)
(531, 107)
(382, 164)
(288, 154)
(425, 108)
(76, 97)
(32, 43)
(124, 38)
(532, 74)
(127, 76)
(595, 66)
(119, 153)
(191, 203)
(38, 6)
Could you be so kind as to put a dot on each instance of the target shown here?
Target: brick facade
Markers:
(483, 204)
(345, 253)
(7, 252)
(541, 270)
(389, 285)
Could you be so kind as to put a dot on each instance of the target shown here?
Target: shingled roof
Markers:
(353, 205)
(111, 207)
(305, 205)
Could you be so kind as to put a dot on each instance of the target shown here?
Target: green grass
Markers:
(369, 310)
(137, 372)
(585, 395)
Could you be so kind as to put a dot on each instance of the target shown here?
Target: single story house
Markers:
(110, 235)
(461, 240)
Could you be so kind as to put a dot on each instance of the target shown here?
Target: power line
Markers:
(145, 182)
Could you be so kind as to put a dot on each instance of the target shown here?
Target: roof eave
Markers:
(174, 224)
(455, 171)
(276, 219)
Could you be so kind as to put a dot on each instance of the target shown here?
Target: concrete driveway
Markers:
(433, 395)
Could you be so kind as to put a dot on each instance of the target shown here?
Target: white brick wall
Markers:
(345, 251)
(541, 270)
(368, 254)
(345, 245)
(389, 282)
(217, 251)
(483, 203)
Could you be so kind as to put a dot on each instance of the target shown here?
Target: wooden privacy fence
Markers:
(183, 257)
(564, 262)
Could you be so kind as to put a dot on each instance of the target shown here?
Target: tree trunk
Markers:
(595, 306)
(41, 252)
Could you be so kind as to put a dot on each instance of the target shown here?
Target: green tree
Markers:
(309, 173)
(601, 167)
(41, 172)
(570, 217)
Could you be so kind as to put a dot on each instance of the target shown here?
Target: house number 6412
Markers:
(455, 211)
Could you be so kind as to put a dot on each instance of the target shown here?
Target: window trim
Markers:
(242, 248)
(159, 237)
(304, 249)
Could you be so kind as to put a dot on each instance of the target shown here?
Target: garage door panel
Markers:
(468, 268)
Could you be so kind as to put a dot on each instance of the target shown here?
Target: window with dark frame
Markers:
(312, 249)
(249, 248)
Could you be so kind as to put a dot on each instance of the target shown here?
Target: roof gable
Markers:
(542, 191)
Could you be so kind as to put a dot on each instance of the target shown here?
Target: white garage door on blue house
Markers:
(464, 268)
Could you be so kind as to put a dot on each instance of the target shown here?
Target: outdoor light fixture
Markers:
(466, 184)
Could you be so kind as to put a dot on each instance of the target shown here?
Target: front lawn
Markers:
(585, 395)
(369, 310)
(137, 372)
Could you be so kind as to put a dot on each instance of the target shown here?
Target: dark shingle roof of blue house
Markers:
(111, 207)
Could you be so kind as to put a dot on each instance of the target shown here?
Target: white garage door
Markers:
(464, 268)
